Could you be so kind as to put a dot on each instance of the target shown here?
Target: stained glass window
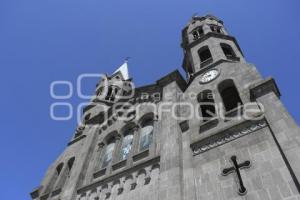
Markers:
(108, 155)
(146, 137)
(126, 146)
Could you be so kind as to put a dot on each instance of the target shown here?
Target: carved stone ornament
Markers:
(197, 149)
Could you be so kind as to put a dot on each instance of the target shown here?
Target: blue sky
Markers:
(42, 41)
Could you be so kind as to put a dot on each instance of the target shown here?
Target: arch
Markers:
(140, 178)
(115, 189)
(112, 93)
(115, 182)
(59, 168)
(207, 104)
(87, 117)
(83, 196)
(146, 117)
(229, 94)
(154, 173)
(65, 174)
(155, 166)
(108, 153)
(99, 91)
(109, 94)
(126, 146)
(141, 171)
(111, 136)
(228, 50)
(128, 183)
(71, 163)
(197, 32)
(127, 134)
(54, 178)
(146, 131)
(204, 55)
(130, 125)
(128, 177)
(215, 28)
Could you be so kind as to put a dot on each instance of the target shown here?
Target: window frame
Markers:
(206, 61)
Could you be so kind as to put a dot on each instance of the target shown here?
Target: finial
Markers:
(127, 59)
(194, 15)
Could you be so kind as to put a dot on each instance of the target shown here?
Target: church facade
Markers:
(221, 134)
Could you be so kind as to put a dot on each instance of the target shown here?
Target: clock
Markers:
(209, 76)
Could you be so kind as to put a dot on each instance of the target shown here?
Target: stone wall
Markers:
(267, 179)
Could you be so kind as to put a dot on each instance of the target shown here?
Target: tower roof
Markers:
(123, 69)
(201, 18)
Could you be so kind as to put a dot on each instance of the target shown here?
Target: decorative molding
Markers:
(223, 138)
(99, 173)
(264, 87)
(119, 165)
(140, 155)
(130, 172)
(122, 184)
(189, 46)
(76, 139)
(79, 130)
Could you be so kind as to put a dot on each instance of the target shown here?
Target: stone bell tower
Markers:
(109, 90)
(245, 145)
(201, 41)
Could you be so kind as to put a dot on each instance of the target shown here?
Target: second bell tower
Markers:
(200, 41)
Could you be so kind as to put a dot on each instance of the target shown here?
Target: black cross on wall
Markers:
(236, 168)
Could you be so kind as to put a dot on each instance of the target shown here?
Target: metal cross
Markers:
(127, 59)
(236, 168)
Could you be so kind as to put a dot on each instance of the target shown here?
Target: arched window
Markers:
(228, 51)
(198, 32)
(205, 56)
(146, 135)
(126, 145)
(59, 168)
(65, 174)
(108, 153)
(87, 116)
(215, 29)
(111, 93)
(54, 178)
(207, 105)
(230, 95)
(99, 91)
(70, 165)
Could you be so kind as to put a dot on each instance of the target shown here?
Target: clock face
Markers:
(209, 76)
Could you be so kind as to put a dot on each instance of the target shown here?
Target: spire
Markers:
(123, 69)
